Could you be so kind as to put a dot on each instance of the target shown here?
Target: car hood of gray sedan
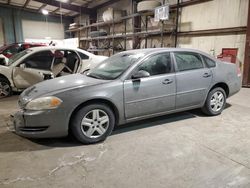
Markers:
(58, 85)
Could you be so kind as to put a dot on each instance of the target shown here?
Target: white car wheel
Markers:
(5, 88)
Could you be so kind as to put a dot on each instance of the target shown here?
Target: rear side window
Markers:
(83, 56)
(188, 61)
(210, 63)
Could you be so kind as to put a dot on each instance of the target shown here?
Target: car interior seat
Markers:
(58, 67)
(72, 63)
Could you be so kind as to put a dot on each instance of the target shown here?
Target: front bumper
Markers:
(40, 124)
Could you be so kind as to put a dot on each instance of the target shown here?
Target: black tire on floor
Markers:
(207, 109)
(76, 128)
(5, 83)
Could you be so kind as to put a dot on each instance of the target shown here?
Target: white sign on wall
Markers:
(162, 13)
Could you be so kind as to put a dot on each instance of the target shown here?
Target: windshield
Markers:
(115, 66)
(17, 56)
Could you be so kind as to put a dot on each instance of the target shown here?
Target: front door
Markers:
(33, 69)
(192, 80)
(154, 94)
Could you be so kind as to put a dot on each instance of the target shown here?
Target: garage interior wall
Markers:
(1, 33)
(12, 21)
(215, 14)
(40, 30)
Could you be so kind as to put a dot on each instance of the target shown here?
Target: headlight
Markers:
(44, 103)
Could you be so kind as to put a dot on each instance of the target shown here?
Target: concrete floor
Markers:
(182, 150)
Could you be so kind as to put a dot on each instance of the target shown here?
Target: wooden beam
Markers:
(212, 32)
(26, 3)
(189, 3)
(67, 6)
(41, 7)
(246, 68)
(106, 4)
(54, 11)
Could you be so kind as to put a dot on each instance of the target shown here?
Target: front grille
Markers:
(33, 129)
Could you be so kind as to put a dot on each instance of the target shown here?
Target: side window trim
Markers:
(176, 64)
(150, 56)
(79, 55)
(31, 55)
(205, 62)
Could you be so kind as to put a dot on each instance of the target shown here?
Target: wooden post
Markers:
(246, 72)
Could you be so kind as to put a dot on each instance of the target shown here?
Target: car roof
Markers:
(154, 50)
(42, 48)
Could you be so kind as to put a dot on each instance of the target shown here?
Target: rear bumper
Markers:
(39, 124)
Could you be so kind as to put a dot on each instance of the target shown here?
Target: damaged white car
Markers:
(42, 63)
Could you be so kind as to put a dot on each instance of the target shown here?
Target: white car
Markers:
(42, 63)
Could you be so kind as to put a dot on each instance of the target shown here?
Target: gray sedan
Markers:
(126, 87)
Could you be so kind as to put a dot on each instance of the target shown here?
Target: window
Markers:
(115, 66)
(40, 60)
(66, 61)
(158, 64)
(188, 61)
(83, 56)
(11, 50)
(210, 63)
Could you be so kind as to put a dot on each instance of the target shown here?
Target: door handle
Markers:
(206, 75)
(167, 81)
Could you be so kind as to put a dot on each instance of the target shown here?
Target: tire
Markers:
(86, 125)
(215, 105)
(97, 33)
(145, 6)
(5, 88)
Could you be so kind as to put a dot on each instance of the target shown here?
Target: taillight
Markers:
(238, 72)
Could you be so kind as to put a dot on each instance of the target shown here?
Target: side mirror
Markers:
(22, 66)
(140, 74)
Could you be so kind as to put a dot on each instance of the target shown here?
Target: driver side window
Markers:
(40, 60)
(157, 64)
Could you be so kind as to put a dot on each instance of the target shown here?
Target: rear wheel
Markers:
(93, 123)
(215, 102)
(5, 88)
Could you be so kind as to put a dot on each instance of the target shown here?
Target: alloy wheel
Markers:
(217, 101)
(4, 89)
(95, 123)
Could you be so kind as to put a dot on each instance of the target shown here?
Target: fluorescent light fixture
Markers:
(45, 12)
(63, 1)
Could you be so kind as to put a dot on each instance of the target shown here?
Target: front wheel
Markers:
(5, 88)
(93, 123)
(215, 102)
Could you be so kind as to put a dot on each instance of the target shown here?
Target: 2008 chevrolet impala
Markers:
(128, 86)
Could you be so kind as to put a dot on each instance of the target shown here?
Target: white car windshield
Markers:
(115, 66)
(17, 56)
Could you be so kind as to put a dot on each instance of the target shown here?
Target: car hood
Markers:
(51, 87)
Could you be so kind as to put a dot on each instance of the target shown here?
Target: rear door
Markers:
(192, 79)
(153, 94)
(85, 62)
(34, 69)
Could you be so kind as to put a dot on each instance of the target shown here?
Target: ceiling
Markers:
(56, 7)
